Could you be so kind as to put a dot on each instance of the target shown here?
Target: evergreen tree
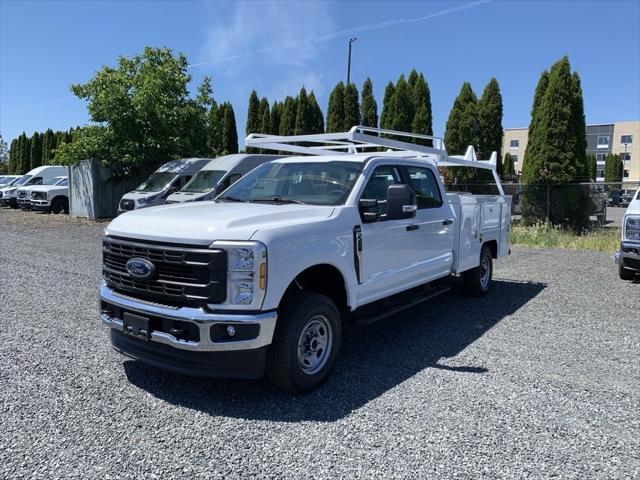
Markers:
(48, 144)
(317, 117)
(508, 168)
(387, 106)
(274, 121)
(402, 107)
(613, 168)
(536, 118)
(288, 119)
(335, 109)
(423, 119)
(592, 167)
(490, 122)
(12, 156)
(557, 154)
(368, 107)
(265, 116)
(229, 130)
(578, 125)
(462, 127)
(253, 118)
(36, 151)
(214, 129)
(23, 161)
(302, 124)
(412, 80)
(351, 107)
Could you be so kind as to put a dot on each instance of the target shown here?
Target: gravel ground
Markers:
(539, 379)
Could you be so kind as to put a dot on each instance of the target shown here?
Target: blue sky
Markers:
(277, 47)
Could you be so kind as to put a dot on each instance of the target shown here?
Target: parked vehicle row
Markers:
(261, 280)
(44, 188)
(190, 180)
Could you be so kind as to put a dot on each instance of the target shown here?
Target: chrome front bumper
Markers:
(202, 319)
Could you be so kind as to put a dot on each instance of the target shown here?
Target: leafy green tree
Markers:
(302, 124)
(317, 117)
(351, 107)
(4, 156)
(335, 109)
(422, 122)
(490, 122)
(35, 157)
(145, 108)
(288, 119)
(508, 167)
(613, 168)
(369, 106)
(386, 117)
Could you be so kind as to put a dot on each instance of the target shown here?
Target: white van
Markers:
(37, 176)
(217, 175)
(169, 178)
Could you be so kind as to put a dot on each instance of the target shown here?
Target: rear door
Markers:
(432, 249)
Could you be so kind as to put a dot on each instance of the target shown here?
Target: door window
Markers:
(230, 180)
(376, 188)
(425, 186)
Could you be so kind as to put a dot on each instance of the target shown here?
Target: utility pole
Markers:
(351, 40)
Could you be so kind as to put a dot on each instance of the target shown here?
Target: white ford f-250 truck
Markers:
(261, 279)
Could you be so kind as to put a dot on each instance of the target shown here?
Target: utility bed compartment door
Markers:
(468, 241)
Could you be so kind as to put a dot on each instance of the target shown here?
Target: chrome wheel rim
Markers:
(314, 344)
(485, 272)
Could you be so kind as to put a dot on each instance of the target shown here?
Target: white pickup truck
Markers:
(628, 257)
(261, 279)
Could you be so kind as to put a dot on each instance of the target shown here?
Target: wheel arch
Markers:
(325, 279)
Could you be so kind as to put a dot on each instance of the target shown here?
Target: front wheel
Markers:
(306, 342)
(624, 273)
(476, 281)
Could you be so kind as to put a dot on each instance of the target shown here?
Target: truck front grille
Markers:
(183, 275)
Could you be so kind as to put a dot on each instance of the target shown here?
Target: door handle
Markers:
(412, 227)
(448, 221)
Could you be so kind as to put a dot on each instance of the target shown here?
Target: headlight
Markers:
(246, 273)
(632, 228)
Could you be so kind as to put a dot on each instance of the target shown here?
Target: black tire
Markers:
(476, 282)
(625, 274)
(299, 313)
(59, 205)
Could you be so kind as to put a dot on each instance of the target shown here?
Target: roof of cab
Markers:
(188, 165)
(54, 169)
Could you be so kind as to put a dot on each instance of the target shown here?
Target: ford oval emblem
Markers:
(140, 268)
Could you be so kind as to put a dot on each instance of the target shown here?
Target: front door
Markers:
(387, 245)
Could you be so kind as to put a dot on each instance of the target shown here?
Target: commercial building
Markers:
(622, 138)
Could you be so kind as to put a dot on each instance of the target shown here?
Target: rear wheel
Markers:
(476, 282)
(306, 342)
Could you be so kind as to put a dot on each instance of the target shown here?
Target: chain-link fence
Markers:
(575, 205)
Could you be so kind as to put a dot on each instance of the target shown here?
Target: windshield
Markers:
(52, 181)
(22, 180)
(203, 181)
(320, 183)
(156, 182)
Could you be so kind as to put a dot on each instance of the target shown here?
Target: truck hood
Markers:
(203, 222)
(47, 188)
(186, 196)
(633, 208)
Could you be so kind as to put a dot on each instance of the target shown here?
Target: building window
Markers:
(625, 156)
(626, 174)
(600, 173)
(514, 158)
(603, 141)
(514, 144)
(626, 139)
(602, 157)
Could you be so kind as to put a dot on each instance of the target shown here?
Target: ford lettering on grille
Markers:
(140, 268)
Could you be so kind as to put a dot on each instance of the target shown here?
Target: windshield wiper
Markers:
(278, 200)
(231, 198)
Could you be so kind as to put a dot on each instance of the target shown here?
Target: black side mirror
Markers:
(368, 209)
(401, 202)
